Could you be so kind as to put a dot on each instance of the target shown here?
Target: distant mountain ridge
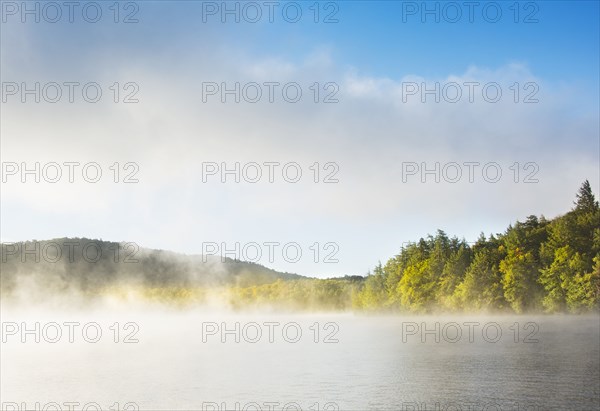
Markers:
(88, 264)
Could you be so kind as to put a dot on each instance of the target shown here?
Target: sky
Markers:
(388, 90)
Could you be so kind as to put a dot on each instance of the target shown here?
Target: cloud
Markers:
(373, 129)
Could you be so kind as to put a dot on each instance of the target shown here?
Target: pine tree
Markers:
(586, 201)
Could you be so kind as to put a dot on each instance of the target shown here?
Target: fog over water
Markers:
(299, 205)
(154, 358)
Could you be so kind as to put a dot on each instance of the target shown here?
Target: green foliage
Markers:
(554, 278)
(374, 291)
(520, 275)
(482, 289)
(536, 264)
(416, 287)
(586, 202)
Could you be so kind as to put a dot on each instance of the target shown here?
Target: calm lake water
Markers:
(191, 361)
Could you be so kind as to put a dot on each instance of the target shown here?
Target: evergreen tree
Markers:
(586, 202)
(536, 264)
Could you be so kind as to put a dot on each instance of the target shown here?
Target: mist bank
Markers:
(536, 266)
(89, 265)
(86, 272)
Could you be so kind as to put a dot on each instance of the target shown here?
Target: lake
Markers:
(150, 359)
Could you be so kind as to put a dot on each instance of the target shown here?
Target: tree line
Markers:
(535, 265)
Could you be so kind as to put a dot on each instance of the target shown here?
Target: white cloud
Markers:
(369, 134)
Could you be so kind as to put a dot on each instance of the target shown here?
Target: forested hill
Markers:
(536, 265)
(87, 265)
